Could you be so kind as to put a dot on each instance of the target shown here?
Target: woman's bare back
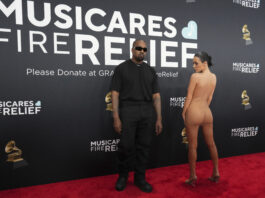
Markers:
(198, 112)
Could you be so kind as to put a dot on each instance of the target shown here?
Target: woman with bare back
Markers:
(196, 113)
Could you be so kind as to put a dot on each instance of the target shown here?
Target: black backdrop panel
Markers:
(57, 114)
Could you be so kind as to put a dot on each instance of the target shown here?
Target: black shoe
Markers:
(121, 183)
(143, 185)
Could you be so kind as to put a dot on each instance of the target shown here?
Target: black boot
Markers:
(143, 185)
(121, 183)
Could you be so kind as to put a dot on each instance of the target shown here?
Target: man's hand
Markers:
(117, 125)
(157, 105)
(159, 127)
(115, 112)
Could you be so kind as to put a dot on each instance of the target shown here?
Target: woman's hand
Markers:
(183, 115)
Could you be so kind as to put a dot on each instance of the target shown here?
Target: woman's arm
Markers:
(191, 87)
(211, 96)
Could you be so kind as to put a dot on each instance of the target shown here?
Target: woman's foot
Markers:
(215, 178)
(191, 181)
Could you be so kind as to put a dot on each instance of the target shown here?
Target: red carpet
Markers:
(241, 177)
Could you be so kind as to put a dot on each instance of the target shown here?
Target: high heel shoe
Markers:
(214, 178)
(191, 181)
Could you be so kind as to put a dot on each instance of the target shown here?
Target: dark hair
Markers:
(136, 40)
(203, 56)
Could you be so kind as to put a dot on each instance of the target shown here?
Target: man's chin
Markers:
(140, 59)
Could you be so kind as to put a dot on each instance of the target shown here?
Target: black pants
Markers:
(138, 127)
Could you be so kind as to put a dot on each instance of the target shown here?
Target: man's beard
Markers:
(139, 58)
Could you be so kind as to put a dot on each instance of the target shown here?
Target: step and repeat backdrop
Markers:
(56, 63)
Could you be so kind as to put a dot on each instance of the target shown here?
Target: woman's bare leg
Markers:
(192, 134)
(208, 137)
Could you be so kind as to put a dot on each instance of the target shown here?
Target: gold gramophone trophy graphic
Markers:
(184, 137)
(245, 100)
(108, 102)
(246, 35)
(14, 155)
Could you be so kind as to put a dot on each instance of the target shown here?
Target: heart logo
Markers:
(190, 32)
(38, 104)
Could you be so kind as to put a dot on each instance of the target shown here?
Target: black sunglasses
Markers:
(140, 48)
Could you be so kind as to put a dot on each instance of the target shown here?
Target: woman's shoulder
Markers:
(213, 75)
(195, 75)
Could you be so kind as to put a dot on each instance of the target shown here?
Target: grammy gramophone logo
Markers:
(184, 136)
(246, 35)
(108, 101)
(245, 100)
(14, 155)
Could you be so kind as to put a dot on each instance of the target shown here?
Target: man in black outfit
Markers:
(136, 113)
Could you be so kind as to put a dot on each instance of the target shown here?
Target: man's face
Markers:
(139, 50)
